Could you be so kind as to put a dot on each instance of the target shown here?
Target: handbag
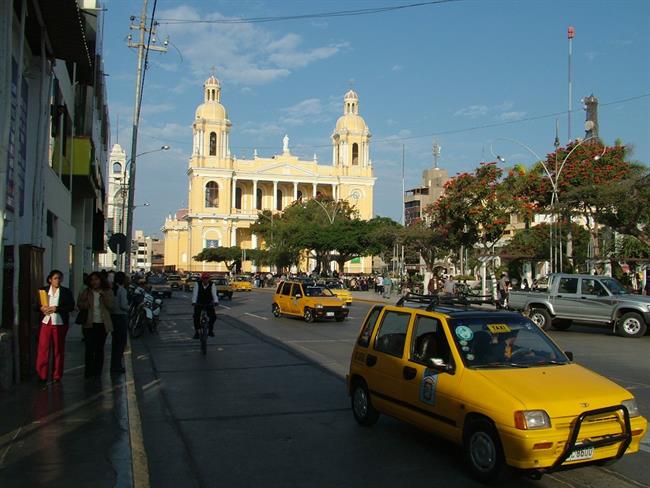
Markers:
(81, 318)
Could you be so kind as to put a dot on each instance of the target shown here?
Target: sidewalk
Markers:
(73, 434)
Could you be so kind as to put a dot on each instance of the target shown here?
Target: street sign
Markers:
(117, 243)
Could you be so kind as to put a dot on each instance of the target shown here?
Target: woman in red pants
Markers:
(55, 319)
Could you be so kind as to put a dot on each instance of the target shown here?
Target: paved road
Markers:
(267, 406)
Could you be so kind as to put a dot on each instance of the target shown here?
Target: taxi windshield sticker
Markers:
(498, 328)
(464, 333)
(428, 387)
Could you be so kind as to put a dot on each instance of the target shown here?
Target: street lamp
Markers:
(555, 255)
(129, 207)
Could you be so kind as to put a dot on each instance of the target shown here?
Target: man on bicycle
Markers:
(204, 297)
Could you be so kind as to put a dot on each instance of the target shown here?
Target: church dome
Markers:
(351, 122)
(211, 108)
(351, 95)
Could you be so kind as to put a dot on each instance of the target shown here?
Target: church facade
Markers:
(226, 194)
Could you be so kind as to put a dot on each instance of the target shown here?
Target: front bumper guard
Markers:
(625, 438)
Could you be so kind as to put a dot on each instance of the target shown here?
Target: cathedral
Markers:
(226, 194)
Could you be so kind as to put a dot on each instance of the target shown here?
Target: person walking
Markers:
(55, 321)
(95, 304)
(387, 284)
(119, 317)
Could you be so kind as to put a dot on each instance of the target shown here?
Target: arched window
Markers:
(279, 199)
(117, 167)
(212, 194)
(299, 196)
(355, 154)
(259, 199)
(238, 195)
(213, 143)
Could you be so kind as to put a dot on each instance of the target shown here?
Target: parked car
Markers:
(159, 286)
(224, 289)
(492, 382)
(174, 281)
(190, 279)
(339, 290)
(241, 283)
(310, 302)
(586, 299)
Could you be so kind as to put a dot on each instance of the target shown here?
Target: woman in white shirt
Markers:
(55, 320)
(95, 304)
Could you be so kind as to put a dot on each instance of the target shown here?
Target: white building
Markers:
(116, 197)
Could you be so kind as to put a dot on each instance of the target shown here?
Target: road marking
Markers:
(256, 316)
(139, 461)
(224, 306)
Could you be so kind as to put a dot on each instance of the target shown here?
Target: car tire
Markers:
(631, 324)
(364, 412)
(483, 452)
(561, 324)
(275, 309)
(540, 317)
(230, 296)
(308, 315)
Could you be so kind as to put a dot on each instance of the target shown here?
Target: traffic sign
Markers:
(117, 243)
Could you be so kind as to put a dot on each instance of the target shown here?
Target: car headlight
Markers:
(532, 419)
(319, 306)
(344, 306)
(632, 407)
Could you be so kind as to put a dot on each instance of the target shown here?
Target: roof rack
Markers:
(433, 301)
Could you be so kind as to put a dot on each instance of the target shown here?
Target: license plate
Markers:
(330, 314)
(581, 454)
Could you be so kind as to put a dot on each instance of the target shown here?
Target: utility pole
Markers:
(143, 49)
(570, 34)
(403, 188)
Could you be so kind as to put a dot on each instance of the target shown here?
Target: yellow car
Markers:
(339, 290)
(308, 301)
(241, 283)
(224, 288)
(492, 382)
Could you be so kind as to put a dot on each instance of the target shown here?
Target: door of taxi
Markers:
(294, 301)
(385, 361)
(283, 298)
(431, 394)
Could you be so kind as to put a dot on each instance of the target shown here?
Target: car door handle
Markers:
(409, 373)
(371, 360)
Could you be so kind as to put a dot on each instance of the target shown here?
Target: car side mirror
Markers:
(439, 365)
(569, 354)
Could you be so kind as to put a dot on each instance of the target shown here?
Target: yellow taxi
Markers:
(223, 286)
(339, 290)
(492, 382)
(241, 283)
(307, 300)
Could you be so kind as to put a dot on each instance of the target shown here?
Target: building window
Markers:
(211, 243)
(259, 196)
(50, 224)
(278, 196)
(238, 196)
(213, 143)
(355, 154)
(117, 167)
(212, 194)
(299, 194)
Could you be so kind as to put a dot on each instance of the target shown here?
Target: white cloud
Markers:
(397, 67)
(511, 116)
(261, 129)
(242, 53)
(473, 111)
(502, 111)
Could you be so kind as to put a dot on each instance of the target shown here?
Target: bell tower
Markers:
(351, 139)
(211, 129)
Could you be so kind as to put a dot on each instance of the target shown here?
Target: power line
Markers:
(321, 15)
(387, 140)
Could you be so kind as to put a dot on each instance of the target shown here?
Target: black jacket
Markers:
(66, 303)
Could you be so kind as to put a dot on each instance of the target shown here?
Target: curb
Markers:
(139, 461)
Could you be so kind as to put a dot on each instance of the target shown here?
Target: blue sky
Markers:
(419, 72)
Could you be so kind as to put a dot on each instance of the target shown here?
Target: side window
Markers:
(429, 340)
(568, 285)
(278, 290)
(593, 287)
(286, 288)
(391, 337)
(295, 290)
(369, 327)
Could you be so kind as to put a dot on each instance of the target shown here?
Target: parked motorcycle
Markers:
(145, 312)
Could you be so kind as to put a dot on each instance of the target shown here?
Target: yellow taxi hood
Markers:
(562, 391)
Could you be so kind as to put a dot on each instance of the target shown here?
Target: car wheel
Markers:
(541, 318)
(631, 324)
(308, 315)
(276, 310)
(230, 296)
(362, 409)
(483, 452)
(561, 324)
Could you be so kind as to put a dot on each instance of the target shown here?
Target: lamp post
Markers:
(555, 255)
(129, 207)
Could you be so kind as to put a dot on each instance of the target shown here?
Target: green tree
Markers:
(230, 256)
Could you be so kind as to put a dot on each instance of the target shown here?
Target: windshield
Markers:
(157, 280)
(498, 342)
(173, 278)
(317, 291)
(614, 287)
(220, 281)
(242, 278)
(335, 286)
